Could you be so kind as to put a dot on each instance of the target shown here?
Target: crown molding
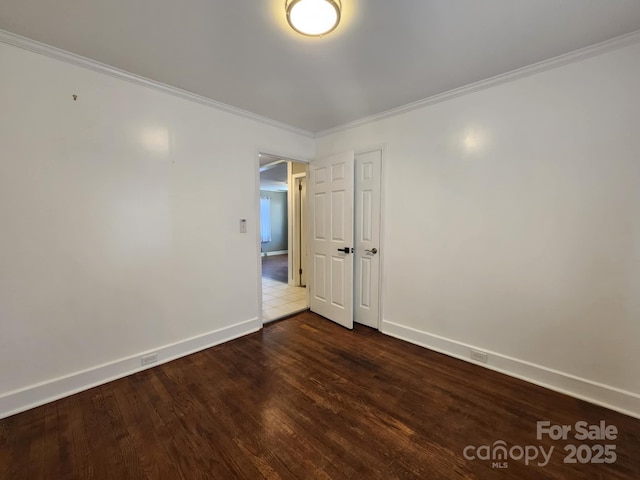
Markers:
(84, 62)
(543, 66)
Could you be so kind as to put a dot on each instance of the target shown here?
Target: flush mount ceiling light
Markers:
(313, 17)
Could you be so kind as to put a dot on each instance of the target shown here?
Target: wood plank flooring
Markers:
(304, 399)
(276, 267)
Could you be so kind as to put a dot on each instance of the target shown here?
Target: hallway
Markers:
(275, 267)
(278, 298)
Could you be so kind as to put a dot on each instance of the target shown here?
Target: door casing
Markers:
(298, 246)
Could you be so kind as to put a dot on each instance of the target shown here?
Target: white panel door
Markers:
(368, 167)
(331, 193)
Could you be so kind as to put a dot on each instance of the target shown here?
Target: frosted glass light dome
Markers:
(313, 17)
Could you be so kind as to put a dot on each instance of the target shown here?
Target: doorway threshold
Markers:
(281, 300)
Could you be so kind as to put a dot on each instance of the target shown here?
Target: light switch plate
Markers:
(243, 225)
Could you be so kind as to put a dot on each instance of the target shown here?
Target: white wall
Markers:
(119, 217)
(512, 225)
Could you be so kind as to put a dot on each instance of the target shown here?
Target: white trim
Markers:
(258, 250)
(290, 185)
(80, 61)
(543, 66)
(606, 396)
(275, 252)
(35, 395)
(293, 227)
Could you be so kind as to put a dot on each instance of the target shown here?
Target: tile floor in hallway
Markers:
(280, 299)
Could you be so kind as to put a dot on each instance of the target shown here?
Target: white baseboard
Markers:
(600, 394)
(277, 252)
(35, 395)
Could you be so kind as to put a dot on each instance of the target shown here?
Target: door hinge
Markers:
(300, 186)
(300, 272)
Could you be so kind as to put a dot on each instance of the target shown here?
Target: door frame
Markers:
(382, 148)
(296, 227)
(256, 202)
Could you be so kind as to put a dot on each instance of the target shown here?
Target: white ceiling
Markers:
(384, 54)
(274, 177)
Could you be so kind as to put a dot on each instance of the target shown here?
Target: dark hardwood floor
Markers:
(276, 267)
(305, 399)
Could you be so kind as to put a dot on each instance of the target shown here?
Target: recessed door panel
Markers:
(337, 172)
(320, 277)
(337, 216)
(320, 216)
(364, 211)
(365, 283)
(366, 171)
(320, 176)
(367, 249)
(338, 295)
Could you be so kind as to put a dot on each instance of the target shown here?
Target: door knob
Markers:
(373, 251)
(345, 249)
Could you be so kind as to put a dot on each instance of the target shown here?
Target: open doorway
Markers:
(282, 236)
